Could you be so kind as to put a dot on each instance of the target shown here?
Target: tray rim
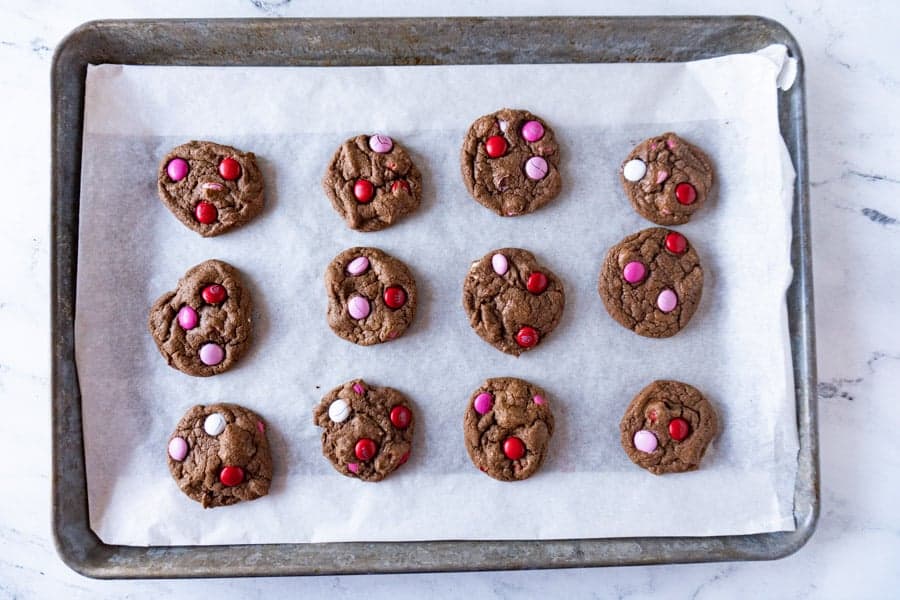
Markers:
(212, 43)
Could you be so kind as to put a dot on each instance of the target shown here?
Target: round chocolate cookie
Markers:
(211, 188)
(667, 179)
(368, 430)
(651, 282)
(371, 296)
(510, 162)
(512, 302)
(372, 182)
(219, 455)
(203, 327)
(507, 426)
(667, 427)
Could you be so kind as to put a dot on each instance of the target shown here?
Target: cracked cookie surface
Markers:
(510, 162)
(651, 282)
(667, 427)
(203, 327)
(219, 455)
(371, 296)
(667, 179)
(367, 430)
(372, 182)
(210, 187)
(512, 301)
(507, 426)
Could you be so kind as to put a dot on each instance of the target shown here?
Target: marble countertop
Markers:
(853, 89)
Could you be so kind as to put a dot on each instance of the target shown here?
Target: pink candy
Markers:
(532, 131)
(187, 318)
(353, 467)
(538, 399)
(381, 144)
(358, 389)
(662, 176)
(500, 264)
(536, 168)
(177, 169)
(211, 354)
(178, 448)
(634, 272)
(358, 307)
(645, 441)
(667, 301)
(358, 266)
(483, 403)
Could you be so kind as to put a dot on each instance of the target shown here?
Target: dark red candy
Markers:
(527, 337)
(206, 213)
(231, 476)
(365, 449)
(537, 282)
(214, 294)
(229, 169)
(363, 190)
(403, 459)
(495, 146)
(676, 243)
(401, 416)
(513, 448)
(398, 185)
(678, 429)
(685, 193)
(394, 296)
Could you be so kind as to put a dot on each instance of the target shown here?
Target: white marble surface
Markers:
(853, 83)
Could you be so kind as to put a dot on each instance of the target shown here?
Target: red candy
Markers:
(513, 448)
(537, 282)
(401, 416)
(206, 213)
(231, 476)
(495, 146)
(527, 337)
(229, 169)
(653, 416)
(678, 429)
(676, 243)
(365, 449)
(394, 296)
(403, 459)
(213, 294)
(363, 190)
(685, 193)
(398, 185)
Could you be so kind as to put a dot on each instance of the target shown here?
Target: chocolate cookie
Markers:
(211, 188)
(667, 179)
(651, 282)
(512, 302)
(667, 427)
(368, 430)
(371, 296)
(372, 182)
(510, 162)
(507, 426)
(219, 455)
(203, 327)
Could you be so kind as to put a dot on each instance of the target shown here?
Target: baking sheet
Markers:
(735, 350)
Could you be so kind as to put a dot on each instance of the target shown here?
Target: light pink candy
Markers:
(536, 168)
(353, 467)
(177, 169)
(634, 272)
(538, 399)
(483, 403)
(667, 301)
(211, 354)
(187, 318)
(381, 144)
(662, 176)
(358, 265)
(358, 307)
(178, 448)
(500, 264)
(532, 131)
(645, 441)
(671, 143)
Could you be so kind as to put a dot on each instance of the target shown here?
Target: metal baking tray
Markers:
(419, 41)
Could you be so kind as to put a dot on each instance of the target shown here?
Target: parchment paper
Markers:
(131, 250)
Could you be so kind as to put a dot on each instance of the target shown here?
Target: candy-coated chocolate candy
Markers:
(214, 424)
(231, 476)
(527, 337)
(678, 429)
(634, 272)
(365, 449)
(214, 294)
(532, 131)
(537, 282)
(358, 389)
(260, 427)
(358, 307)
(495, 146)
(339, 410)
(685, 193)
(513, 448)
(538, 399)
(358, 266)
(634, 170)
(206, 213)
(353, 467)
(187, 318)
(399, 184)
(381, 144)
(177, 169)
(403, 458)
(212, 354)
(483, 403)
(676, 243)
(178, 448)
(645, 441)
(394, 296)
(536, 168)
(500, 264)
(667, 300)
(400, 416)
(229, 169)
(363, 190)
(662, 176)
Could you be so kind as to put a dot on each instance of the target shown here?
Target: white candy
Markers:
(634, 170)
(338, 411)
(214, 424)
(503, 125)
